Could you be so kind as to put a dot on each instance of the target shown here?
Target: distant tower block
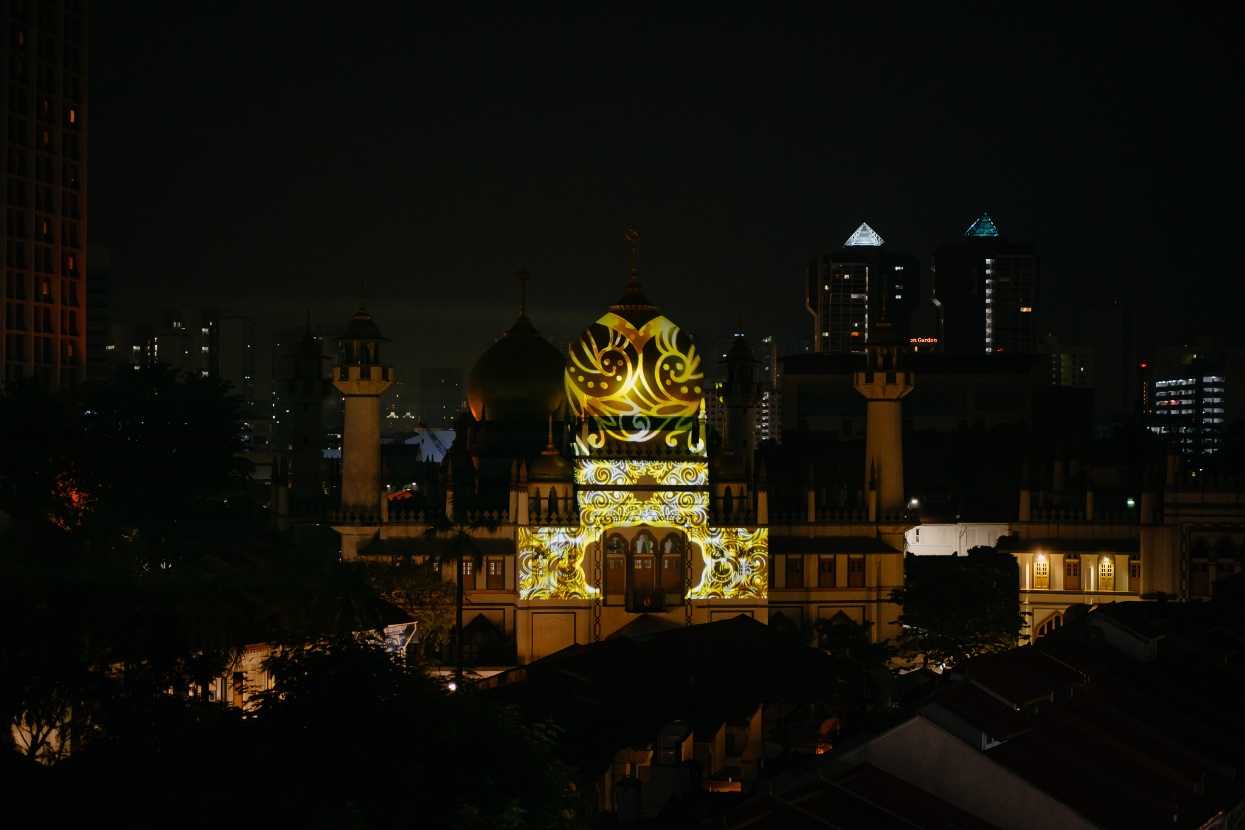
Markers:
(361, 378)
(307, 390)
(884, 385)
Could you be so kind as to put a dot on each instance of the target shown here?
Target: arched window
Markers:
(1225, 557)
(644, 561)
(672, 562)
(615, 566)
(1199, 567)
(1051, 623)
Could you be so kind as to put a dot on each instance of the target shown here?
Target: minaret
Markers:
(361, 378)
(884, 386)
(307, 388)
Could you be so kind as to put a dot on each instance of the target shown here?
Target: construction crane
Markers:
(435, 440)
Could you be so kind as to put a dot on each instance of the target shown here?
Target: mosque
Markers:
(600, 501)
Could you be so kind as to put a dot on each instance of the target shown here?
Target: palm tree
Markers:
(458, 545)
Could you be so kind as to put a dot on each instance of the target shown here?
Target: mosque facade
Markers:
(598, 500)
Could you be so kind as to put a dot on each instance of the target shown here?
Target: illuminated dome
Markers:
(519, 378)
(635, 371)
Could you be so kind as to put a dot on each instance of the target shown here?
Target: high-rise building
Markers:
(986, 292)
(862, 282)
(1188, 403)
(44, 44)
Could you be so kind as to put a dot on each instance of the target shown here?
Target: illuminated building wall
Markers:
(640, 463)
(44, 46)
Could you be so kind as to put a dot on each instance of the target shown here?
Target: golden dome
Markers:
(518, 378)
(634, 371)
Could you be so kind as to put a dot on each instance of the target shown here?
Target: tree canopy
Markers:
(149, 466)
(956, 607)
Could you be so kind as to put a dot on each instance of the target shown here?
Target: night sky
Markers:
(275, 158)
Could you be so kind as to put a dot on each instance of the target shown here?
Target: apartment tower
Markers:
(45, 216)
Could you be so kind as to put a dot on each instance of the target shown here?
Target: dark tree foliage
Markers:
(418, 589)
(42, 463)
(149, 465)
(166, 456)
(355, 735)
(455, 536)
(93, 650)
(849, 641)
(956, 607)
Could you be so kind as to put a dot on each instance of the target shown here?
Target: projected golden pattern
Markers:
(551, 559)
(736, 563)
(551, 563)
(637, 383)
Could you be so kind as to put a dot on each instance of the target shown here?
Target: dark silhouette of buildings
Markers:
(848, 290)
(985, 289)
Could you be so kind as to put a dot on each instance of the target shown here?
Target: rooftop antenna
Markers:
(632, 234)
(524, 275)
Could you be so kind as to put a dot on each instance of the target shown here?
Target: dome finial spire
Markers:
(632, 235)
(524, 275)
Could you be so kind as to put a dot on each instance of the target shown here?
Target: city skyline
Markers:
(274, 162)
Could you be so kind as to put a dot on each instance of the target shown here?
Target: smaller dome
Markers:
(361, 327)
(551, 466)
(518, 378)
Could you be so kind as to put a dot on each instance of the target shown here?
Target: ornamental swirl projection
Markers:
(551, 564)
(616, 472)
(637, 382)
(736, 563)
(655, 493)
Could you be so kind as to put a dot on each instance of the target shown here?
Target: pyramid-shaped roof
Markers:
(984, 226)
(864, 235)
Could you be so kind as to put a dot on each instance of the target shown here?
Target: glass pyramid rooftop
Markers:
(864, 235)
(984, 226)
